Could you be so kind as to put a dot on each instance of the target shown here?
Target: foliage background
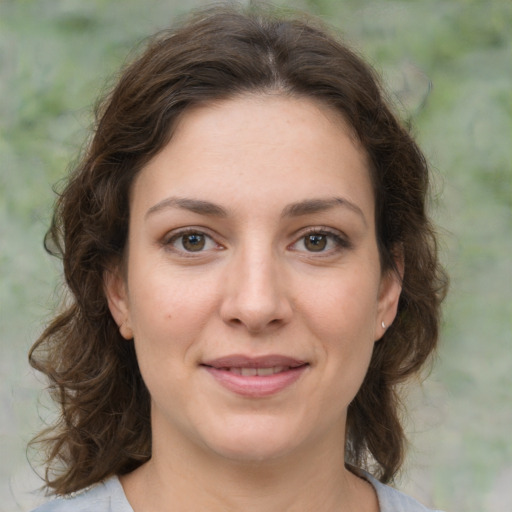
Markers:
(448, 67)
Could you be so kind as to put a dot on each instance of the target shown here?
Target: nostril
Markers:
(255, 307)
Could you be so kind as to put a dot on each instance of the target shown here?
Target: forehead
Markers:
(262, 117)
(269, 147)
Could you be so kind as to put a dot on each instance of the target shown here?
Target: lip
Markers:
(226, 371)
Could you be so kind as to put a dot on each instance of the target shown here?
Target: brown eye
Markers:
(315, 243)
(189, 242)
(193, 242)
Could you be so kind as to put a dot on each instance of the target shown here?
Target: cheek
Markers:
(169, 309)
(344, 305)
(342, 320)
(166, 327)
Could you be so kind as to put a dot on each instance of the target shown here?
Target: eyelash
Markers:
(340, 241)
(168, 241)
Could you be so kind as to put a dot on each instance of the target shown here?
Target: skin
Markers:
(254, 288)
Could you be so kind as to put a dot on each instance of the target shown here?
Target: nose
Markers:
(256, 294)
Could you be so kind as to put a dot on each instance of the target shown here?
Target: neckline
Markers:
(115, 485)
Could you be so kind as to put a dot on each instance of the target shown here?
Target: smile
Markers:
(255, 377)
(253, 372)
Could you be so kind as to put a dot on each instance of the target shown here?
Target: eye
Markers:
(191, 241)
(316, 242)
(320, 241)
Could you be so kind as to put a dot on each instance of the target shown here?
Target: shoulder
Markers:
(391, 500)
(107, 496)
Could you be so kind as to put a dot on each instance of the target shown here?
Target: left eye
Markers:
(319, 242)
(315, 243)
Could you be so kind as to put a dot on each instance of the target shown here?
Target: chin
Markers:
(245, 454)
(255, 442)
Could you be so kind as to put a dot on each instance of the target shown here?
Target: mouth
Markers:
(255, 376)
(257, 372)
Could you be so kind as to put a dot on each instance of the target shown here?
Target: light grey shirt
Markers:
(108, 496)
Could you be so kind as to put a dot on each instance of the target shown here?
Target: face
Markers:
(253, 288)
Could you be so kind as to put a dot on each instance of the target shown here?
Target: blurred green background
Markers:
(448, 67)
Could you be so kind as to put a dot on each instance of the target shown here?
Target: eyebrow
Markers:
(311, 206)
(306, 207)
(194, 205)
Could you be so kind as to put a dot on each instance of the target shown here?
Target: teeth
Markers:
(248, 372)
(253, 372)
(266, 371)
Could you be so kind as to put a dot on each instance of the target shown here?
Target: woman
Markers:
(252, 275)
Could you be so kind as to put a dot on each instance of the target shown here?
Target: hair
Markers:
(104, 423)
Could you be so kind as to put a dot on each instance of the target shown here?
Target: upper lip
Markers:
(243, 361)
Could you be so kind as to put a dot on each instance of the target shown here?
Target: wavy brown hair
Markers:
(104, 422)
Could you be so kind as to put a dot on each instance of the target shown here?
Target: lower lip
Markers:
(257, 385)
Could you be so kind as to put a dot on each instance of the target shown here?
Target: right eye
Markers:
(191, 241)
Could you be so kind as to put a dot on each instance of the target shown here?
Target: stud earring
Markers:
(383, 325)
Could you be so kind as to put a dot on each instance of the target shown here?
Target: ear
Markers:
(389, 294)
(116, 292)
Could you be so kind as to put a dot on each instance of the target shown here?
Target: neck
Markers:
(193, 479)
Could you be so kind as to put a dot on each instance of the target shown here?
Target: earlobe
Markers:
(389, 295)
(115, 291)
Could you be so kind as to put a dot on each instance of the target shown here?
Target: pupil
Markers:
(194, 242)
(316, 243)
